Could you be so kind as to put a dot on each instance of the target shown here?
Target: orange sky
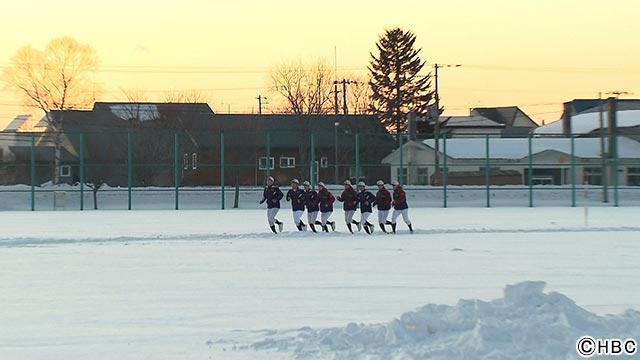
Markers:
(535, 54)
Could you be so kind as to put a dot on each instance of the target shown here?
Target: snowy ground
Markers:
(216, 285)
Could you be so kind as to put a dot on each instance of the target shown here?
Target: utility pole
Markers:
(605, 179)
(436, 126)
(610, 132)
(345, 106)
(335, 97)
(260, 98)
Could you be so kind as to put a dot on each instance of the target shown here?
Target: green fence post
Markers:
(176, 161)
(445, 170)
(33, 172)
(357, 158)
(222, 169)
(313, 170)
(573, 171)
(269, 155)
(129, 169)
(616, 179)
(530, 172)
(401, 179)
(487, 171)
(81, 172)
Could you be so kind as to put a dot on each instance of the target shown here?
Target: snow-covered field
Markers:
(216, 285)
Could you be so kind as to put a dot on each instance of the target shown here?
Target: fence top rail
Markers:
(340, 131)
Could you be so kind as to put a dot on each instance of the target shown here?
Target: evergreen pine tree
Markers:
(396, 84)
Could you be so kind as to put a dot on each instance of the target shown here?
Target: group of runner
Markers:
(322, 201)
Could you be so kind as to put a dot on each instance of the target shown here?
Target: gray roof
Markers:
(473, 121)
(506, 115)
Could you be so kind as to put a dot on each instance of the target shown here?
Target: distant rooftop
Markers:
(587, 122)
(518, 148)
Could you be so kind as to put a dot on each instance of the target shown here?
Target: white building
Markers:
(509, 161)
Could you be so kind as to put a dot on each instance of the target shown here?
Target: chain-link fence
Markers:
(155, 169)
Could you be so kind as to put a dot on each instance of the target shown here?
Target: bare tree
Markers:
(305, 89)
(55, 78)
(132, 111)
(192, 96)
(359, 95)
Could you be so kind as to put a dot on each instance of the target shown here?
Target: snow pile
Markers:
(525, 324)
(587, 122)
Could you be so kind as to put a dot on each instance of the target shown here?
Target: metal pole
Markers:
(401, 179)
(573, 171)
(436, 126)
(357, 157)
(445, 173)
(605, 179)
(222, 170)
(530, 173)
(616, 181)
(345, 108)
(129, 169)
(312, 169)
(176, 161)
(81, 171)
(335, 145)
(487, 171)
(269, 155)
(33, 172)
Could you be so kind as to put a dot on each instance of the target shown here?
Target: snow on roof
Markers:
(17, 122)
(518, 148)
(588, 122)
(143, 112)
(469, 121)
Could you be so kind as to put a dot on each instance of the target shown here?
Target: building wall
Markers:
(416, 158)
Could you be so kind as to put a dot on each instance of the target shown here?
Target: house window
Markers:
(592, 175)
(542, 180)
(194, 161)
(262, 163)
(401, 173)
(633, 176)
(65, 170)
(287, 162)
(185, 161)
(324, 162)
(423, 176)
(492, 168)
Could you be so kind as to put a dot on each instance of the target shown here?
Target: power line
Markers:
(551, 69)
(148, 69)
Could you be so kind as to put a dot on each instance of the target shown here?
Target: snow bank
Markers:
(525, 324)
(587, 122)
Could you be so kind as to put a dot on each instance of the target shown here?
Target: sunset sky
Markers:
(535, 54)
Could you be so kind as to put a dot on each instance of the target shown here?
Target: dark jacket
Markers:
(297, 199)
(399, 199)
(272, 195)
(349, 199)
(311, 201)
(383, 199)
(326, 200)
(366, 201)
